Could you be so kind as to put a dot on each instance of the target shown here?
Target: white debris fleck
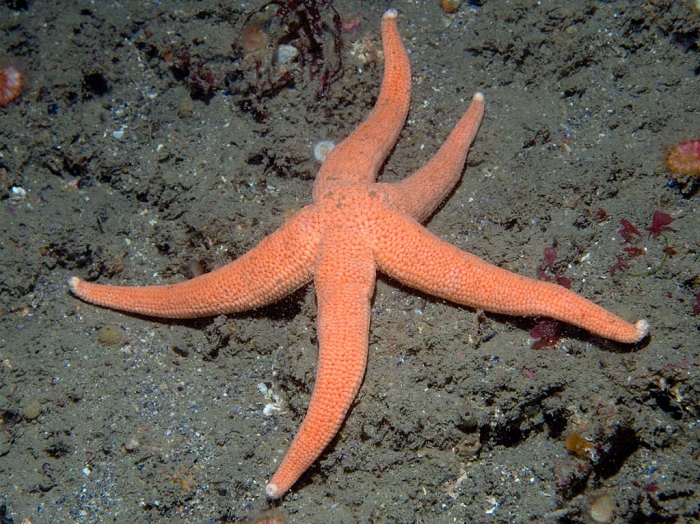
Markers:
(18, 193)
(271, 409)
(494, 505)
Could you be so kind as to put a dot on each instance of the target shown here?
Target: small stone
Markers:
(286, 54)
(469, 446)
(131, 445)
(110, 335)
(451, 6)
(603, 508)
(185, 108)
(31, 409)
(17, 193)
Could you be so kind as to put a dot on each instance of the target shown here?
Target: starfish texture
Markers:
(354, 227)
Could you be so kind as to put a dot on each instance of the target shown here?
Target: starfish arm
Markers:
(344, 286)
(357, 159)
(421, 193)
(278, 265)
(410, 253)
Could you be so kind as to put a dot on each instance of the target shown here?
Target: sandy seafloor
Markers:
(129, 175)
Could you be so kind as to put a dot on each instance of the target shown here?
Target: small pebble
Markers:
(131, 445)
(18, 193)
(450, 6)
(110, 335)
(185, 108)
(286, 54)
(603, 508)
(31, 409)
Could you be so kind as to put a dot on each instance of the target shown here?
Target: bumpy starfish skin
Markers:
(354, 227)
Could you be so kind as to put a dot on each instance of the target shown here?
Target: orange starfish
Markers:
(354, 227)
